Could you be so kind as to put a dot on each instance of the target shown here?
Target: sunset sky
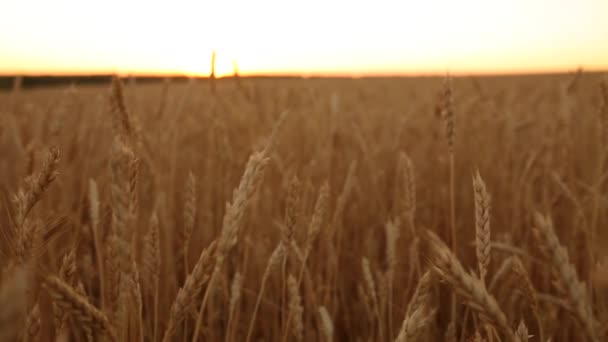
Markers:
(313, 37)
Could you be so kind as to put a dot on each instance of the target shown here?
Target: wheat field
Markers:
(380, 209)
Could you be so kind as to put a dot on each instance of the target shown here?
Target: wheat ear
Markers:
(417, 315)
(295, 309)
(235, 297)
(524, 283)
(90, 318)
(189, 216)
(567, 275)
(27, 198)
(447, 266)
(233, 218)
(191, 288)
(482, 225)
(391, 230)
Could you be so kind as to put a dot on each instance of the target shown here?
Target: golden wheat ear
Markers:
(90, 318)
(52, 229)
(470, 288)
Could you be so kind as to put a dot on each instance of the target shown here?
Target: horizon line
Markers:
(307, 74)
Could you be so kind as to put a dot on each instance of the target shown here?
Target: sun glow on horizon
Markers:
(303, 38)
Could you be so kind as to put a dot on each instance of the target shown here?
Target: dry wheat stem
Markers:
(327, 326)
(191, 288)
(235, 297)
(151, 260)
(447, 266)
(422, 293)
(414, 324)
(392, 235)
(316, 223)
(521, 334)
(567, 275)
(35, 187)
(295, 309)
(235, 211)
(370, 285)
(78, 306)
(189, 216)
(418, 315)
(336, 222)
(32, 325)
(406, 193)
(292, 204)
(274, 260)
(93, 197)
(119, 109)
(482, 225)
(525, 284)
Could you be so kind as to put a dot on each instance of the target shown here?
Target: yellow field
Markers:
(306, 209)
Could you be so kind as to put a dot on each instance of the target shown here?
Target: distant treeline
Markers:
(8, 82)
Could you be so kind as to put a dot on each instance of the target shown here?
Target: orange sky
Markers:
(303, 37)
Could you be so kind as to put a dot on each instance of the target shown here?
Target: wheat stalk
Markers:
(35, 187)
(151, 261)
(189, 216)
(392, 235)
(235, 297)
(444, 109)
(316, 223)
(406, 192)
(90, 318)
(93, 198)
(191, 288)
(370, 284)
(447, 266)
(119, 109)
(521, 334)
(32, 325)
(67, 273)
(235, 211)
(295, 309)
(327, 326)
(122, 217)
(418, 315)
(318, 218)
(422, 293)
(482, 225)
(292, 204)
(274, 260)
(414, 324)
(524, 283)
(231, 226)
(291, 211)
(575, 289)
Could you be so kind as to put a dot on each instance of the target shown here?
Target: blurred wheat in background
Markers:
(380, 209)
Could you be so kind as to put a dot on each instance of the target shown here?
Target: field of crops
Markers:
(397, 209)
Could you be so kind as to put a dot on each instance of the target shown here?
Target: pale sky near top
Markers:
(303, 37)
